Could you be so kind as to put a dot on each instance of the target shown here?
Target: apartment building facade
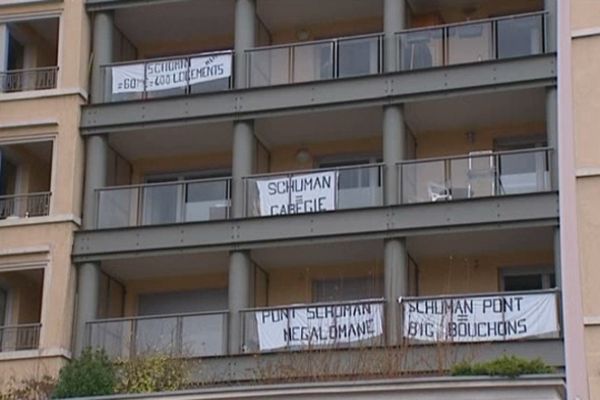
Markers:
(44, 50)
(273, 178)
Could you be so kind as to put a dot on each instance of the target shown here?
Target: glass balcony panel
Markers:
(161, 204)
(156, 335)
(462, 183)
(358, 57)
(187, 335)
(207, 200)
(359, 187)
(421, 49)
(522, 36)
(523, 173)
(269, 66)
(470, 43)
(480, 174)
(112, 336)
(203, 335)
(117, 207)
(313, 62)
(423, 182)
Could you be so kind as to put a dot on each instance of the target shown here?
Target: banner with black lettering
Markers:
(170, 74)
(299, 194)
(318, 325)
(479, 319)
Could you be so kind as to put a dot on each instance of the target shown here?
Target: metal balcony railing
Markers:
(25, 205)
(311, 191)
(479, 174)
(182, 335)
(461, 318)
(19, 337)
(163, 203)
(466, 42)
(169, 76)
(28, 79)
(312, 61)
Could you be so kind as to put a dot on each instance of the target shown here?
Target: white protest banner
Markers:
(299, 194)
(170, 74)
(478, 319)
(318, 325)
(128, 78)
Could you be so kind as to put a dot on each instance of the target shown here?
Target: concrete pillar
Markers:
(244, 148)
(552, 133)
(245, 37)
(88, 279)
(394, 150)
(4, 38)
(394, 20)
(240, 295)
(396, 286)
(102, 53)
(550, 6)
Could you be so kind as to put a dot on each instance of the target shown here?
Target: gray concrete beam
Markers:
(385, 89)
(380, 222)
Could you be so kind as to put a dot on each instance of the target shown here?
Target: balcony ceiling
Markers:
(176, 22)
(174, 141)
(295, 14)
(167, 266)
(443, 245)
(316, 127)
(481, 243)
(470, 113)
(456, 10)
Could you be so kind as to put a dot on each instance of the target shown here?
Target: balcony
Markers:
(164, 203)
(25, 205)
(479, 174)
(500, 38)
(20, 309)
(31, 62)
(318, 60)
(468, 319)
(476, 175)
(25, 179)
(182, 335)
(474, 41)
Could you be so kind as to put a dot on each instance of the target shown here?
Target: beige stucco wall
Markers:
(585, 15)
(46, 242)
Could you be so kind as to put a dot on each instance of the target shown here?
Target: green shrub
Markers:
(510, 366)
(92, 374)
(152, 373)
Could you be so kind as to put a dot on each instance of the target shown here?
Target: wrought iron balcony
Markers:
(28, 79)
(25, 205)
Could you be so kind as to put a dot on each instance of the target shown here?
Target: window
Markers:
(357, 187)
(523, 279)
(347, 289)
(193, 201)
